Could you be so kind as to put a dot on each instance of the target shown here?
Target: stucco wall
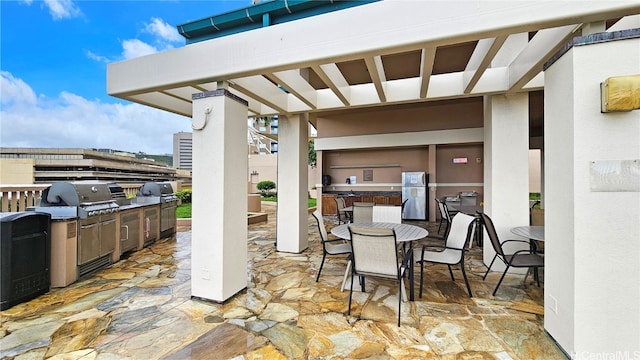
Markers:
(17, 171)
(592, 246)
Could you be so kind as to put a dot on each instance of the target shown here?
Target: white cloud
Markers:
(163, 31)
(134, 48)
(62, 9)
(15, 90)
(163, 35)
(71, 121)
(93, 56)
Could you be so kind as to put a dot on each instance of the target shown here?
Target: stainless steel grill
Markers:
(117, 194)
(92, 204)
(160, 193)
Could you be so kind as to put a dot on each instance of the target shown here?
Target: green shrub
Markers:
(184, 196)
(266, 188)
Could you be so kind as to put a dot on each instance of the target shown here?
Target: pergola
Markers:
(391, 53)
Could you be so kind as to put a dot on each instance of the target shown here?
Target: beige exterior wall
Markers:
(388, 164)
(17, 171)
(535, 171)
(437, 115)
(267, 168)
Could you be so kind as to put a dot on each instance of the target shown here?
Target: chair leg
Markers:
(500, 281)
(464, 275)
(350, 295)
(346, 273)
(451, 273)
(401, 288)
(440, 225)
(321, 265)
(421, 277)
(489, 268)
(324, 255)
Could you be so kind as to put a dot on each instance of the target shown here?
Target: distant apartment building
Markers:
(182, 150)
(262, 135)
(262, 139)
(48, 165)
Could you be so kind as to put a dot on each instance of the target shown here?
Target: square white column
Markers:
(219, 209)
(293, 216)
(506, 168)
(592, 237)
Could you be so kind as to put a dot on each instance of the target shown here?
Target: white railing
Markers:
(19, 197)
(16, 198)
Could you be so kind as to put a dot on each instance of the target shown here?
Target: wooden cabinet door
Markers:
(366, 198)
(395, 200)
(380, 200)
(349, 200)
(329, 205)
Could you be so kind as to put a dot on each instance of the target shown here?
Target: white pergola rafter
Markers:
(268, 74)
(376, 71)
(530, 61)
(427, 57)
(484, 52)
(333, 78)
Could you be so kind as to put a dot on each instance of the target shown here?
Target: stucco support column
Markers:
(219, 220)
(506, 166)
(293, 216)
(431, 194)
(592, 231)
(319, 185)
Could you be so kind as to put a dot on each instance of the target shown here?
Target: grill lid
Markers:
(80, 193)
(155, 189)
(116, 191)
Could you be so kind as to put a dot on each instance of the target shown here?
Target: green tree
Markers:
(312, 154)
(266, 187)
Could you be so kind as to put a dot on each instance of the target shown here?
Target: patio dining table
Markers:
(404, 233)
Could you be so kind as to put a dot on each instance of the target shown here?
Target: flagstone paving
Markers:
(141, 308)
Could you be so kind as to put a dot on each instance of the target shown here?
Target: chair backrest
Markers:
(362, 212)
(388, 214)
(460, 231)
(444, 211)
(374, 250)
(321, 228)
(493, 234)
(340, 202)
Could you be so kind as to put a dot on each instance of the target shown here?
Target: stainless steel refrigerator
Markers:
(414, 192)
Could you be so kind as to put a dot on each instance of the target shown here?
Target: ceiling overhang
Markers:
(382, 53)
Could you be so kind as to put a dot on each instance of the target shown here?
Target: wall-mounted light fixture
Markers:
(254, 177)
(620, 93)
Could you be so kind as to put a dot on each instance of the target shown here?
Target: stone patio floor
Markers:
(141, 308)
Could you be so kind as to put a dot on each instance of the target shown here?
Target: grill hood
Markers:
(75, 194)
(155, 189)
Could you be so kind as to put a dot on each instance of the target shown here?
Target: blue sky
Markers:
(53, 61)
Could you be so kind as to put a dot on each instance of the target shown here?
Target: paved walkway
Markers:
(141, 308)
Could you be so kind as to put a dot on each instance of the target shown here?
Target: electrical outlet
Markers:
(205, 274)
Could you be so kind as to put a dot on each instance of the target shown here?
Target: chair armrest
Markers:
(522, 241)
(439, 247)
(434, 237)
(335, 240)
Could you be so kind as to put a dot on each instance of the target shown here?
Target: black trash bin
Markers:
(25, 256)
